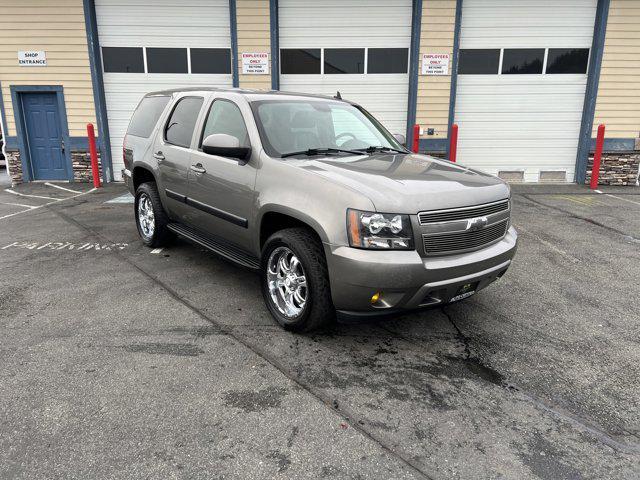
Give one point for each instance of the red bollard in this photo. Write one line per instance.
(453, 143)
(597, 156)
(416, 139)
(95, 171)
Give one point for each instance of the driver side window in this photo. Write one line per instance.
(347, 127)
(225, 117)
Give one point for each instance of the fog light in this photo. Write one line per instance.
(375, 297)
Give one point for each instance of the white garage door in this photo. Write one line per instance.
(360, 48)
(152, 45)
(521, 84)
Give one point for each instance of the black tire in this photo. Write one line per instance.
(161, 234)
(318, 310)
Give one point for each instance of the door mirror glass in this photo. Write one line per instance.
(225, 145)
(400, 138)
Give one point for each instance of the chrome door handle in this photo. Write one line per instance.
(197, 167)
(158, 156)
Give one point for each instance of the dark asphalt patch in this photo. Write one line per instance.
(255, 400)
(179, 349)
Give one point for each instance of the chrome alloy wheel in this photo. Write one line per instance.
(287, 282)
(146, 218)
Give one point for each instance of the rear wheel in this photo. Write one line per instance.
(151, 218)
(295, 281)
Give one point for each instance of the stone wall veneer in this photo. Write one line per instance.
(616, 168)
(81, 163)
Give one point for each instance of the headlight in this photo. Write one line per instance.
(379, 231)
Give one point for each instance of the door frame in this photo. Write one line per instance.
(17, 92)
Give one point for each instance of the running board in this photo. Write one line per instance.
(218, 246)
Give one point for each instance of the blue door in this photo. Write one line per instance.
(44, 136)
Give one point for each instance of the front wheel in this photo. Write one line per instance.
(295, 281)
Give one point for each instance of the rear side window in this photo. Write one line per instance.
(146, 116)
(182, 121)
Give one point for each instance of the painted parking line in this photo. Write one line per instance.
(126, 198)
(157, 250)
(31, 209)
(18, 204)
(13, 192)
(619, 198)
(581, 200)
(66, 246)
(59, 187)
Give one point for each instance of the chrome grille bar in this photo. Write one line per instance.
(462, 213)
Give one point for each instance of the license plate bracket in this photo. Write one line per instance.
(464, 291)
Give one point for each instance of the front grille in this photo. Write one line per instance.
(463, 213)
(438, 244)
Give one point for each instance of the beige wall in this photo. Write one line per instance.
(618, 104)
(59, 30)
(253, 37)
(436, 36)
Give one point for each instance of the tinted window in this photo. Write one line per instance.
(225, 117)
(210, 60)
(167, 60)
(293, 60)
(522, 60)
(123, 59)
(567, 60)
(388, 60)
(146, 116)
(179, 129)
(479, 62)
(344, 60)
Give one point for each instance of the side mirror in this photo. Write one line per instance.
(225, 145)
(400, 138)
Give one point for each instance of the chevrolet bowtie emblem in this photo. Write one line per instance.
(478, 223)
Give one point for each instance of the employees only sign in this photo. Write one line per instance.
(435, 64)
(255, 63)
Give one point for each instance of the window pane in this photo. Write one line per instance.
(567, 60)
(388, 60)
(522, 60)
(346, 127)
(225, 117)
(210, 60)
(293, 60)
(123, 59)
(146, 115)
(344, 60)
(167, 60)
(479, 62)
(179, 129)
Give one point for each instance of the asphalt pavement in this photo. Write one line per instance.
(118, 361)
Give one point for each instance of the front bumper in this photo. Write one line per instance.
(407, 280)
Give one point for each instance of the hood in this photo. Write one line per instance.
(410, 183)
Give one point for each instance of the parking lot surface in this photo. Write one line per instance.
(117, 361)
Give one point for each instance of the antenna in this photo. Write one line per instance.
(338, 96)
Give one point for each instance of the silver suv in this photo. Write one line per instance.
(312, 192)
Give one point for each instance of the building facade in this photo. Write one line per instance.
(527, 83)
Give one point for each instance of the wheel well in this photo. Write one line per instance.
(274, 221)
(141, 175)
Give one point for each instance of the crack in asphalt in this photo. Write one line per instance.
(331, 403)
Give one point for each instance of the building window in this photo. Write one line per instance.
(123, 59)
(478, 61)
(520, 61)
(210, 60)
(179, 128)
(300, 60)
(167, 60)
(567, 60)
(388, 60)
(343, 60)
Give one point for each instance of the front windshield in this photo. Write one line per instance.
(290, 126)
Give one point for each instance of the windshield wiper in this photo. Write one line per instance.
(320, 151)
(380, 148)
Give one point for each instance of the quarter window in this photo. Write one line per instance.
(123, 59)
(567, 60)
(478, 61)
(167, 60)
(146, 116)
(522, 61)
(210, 60)
(343, 60)
(387, 60)
(181, 123)
(300, 60)
(225, 117)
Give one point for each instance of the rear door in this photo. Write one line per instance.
(173, 154)
(223, 188)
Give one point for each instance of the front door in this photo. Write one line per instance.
(44, 136)
(223, 187)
